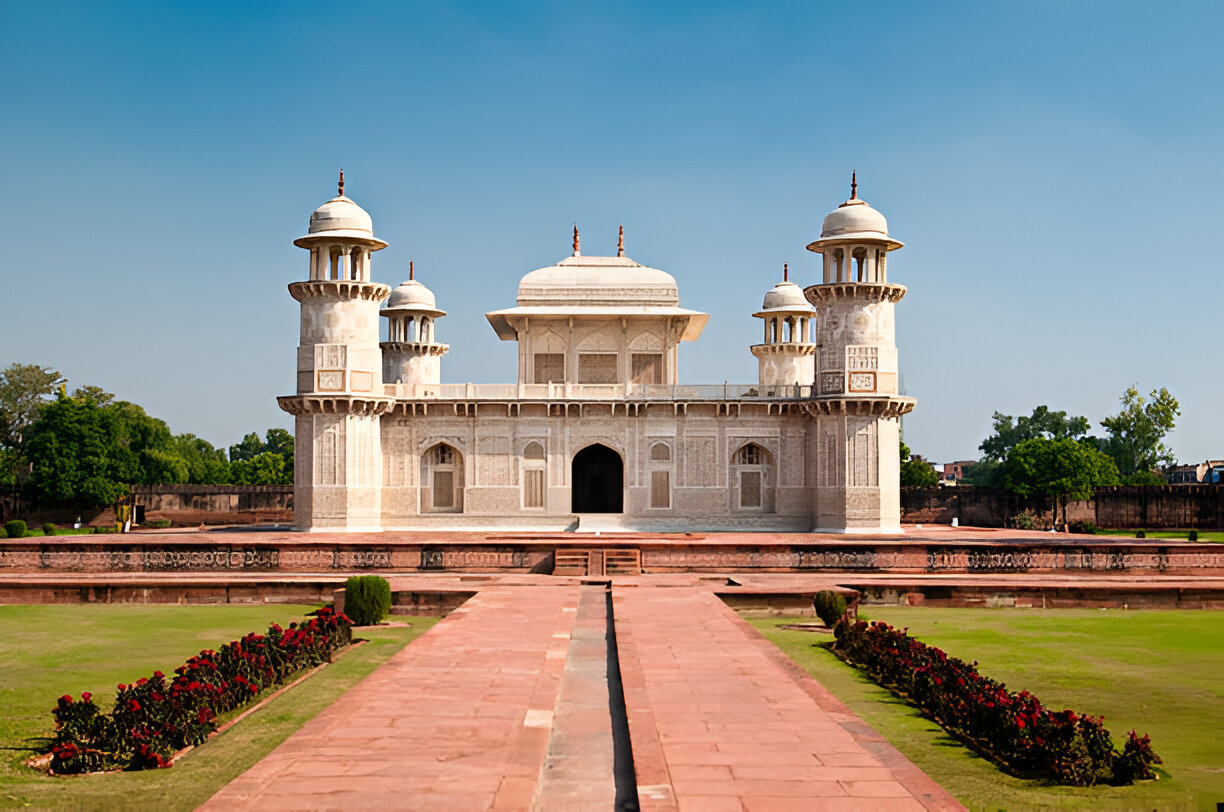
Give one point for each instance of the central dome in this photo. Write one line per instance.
(598, 281)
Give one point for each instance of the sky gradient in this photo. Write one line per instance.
(1053, 168)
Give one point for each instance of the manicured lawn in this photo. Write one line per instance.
(37, 532)
(46, 651)
(1203, 535)
(1158, 672)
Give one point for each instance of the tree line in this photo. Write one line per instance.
(1050, 455)
(87, 448)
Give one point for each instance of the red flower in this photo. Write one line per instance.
(66, 698)
(1019, 722)
(86, 696)
(133, 705)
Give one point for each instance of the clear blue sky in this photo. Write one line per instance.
(1054, 169)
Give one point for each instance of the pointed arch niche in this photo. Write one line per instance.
(752, 479)
(442, 480)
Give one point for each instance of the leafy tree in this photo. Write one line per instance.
(77, 454)
(915, 471)
(205, 465)
(278, 443)
(250, 447)
(1059, 470)
(1011, 431)
(157, 456)
(985, 473)
(24, 389)
(99, 395)
(267, 468)
(1137, 432)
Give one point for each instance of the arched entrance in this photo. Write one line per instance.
(598, 476)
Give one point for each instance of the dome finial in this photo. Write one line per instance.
(620, 243)
(411, 270)
(853, 185)
(785, 272)
(341, 192)
(577, 252)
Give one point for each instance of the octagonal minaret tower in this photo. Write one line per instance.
(337, 447)
(856, 402)
(787, 356)
(411, 356)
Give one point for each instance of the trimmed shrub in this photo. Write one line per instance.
(49, 529)
(1192, 536)
(15, 529)
(829, 606)
(1013, 729)
(1087, 527)
(163, 523)
(367, 599)
(1024, 521)
(1140, 534)
(157, 716)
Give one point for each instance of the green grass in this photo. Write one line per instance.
(1203, 535)
(47, 651)
(1160, 672)
(37, 532)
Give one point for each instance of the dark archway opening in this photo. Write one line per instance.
(598, 476)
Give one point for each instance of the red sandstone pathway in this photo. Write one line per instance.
(497, 708)
(460, 719)
(719, 719)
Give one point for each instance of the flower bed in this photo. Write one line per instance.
(155, 717)
(1013, 729)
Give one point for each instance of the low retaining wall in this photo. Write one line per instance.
(1085, 596)
(1121, 507)
(289, 554)
(171, 591)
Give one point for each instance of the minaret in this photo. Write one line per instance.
(787, 355)
(411, 356)
(856, 404)
(337, 446)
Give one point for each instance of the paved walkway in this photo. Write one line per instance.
(460, 719)
(505, 705)
(719, 721)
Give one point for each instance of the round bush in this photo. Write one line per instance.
(15, 529)
(1140, 534)
(49, 529)
(829, 606)
(367, 599)
(1193, 536)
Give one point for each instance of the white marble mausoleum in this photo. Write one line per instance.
(596, 432)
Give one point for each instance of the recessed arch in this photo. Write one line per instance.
(752, 477)
(442, 479)
(597, 480)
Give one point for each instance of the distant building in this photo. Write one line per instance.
(1209, 472)
(954, 472)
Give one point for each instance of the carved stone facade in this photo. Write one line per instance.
(597, 432)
